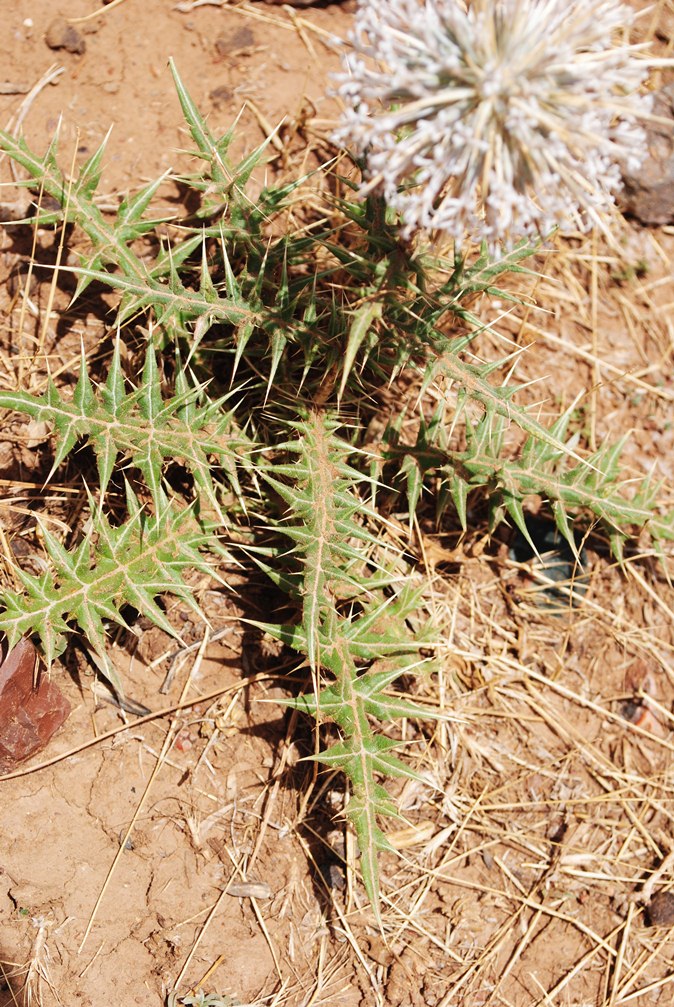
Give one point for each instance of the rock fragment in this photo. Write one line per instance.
(649, 191)
(661, 910)
(30, 714)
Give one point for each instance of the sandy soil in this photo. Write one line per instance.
(546, 811)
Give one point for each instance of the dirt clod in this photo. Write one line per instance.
(220, 95)
(61, 35)
(242, 38)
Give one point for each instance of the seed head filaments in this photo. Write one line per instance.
(498, 120)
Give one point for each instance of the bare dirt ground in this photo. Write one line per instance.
(535, 865)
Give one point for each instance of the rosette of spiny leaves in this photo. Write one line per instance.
(218, 269)
(353, 627)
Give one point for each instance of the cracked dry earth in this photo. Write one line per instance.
(120, 881)
(68, 825)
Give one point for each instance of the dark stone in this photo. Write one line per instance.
(649, 191)
(661, 910)
(31, 709)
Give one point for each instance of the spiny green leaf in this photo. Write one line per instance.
(333, 552)
(142, 426)
(112, 566)
(360, 326)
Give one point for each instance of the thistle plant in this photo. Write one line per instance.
(495, 120)
(353, 627)
(276, 340)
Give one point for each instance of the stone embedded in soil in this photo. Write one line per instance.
(661, 910)
(61, 35)
(649, 191)
(242, 38)
(29, 715)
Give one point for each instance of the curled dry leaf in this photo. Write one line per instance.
(31, 707)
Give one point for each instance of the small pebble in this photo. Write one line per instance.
(29, 716)
(335, 877)
(183, 742)
(649, 190)
(661, 910)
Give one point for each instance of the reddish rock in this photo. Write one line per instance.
(29, 713)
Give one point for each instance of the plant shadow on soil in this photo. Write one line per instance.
(322, 826)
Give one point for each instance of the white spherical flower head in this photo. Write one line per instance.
(497, 120)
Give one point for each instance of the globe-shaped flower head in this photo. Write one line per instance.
(498, 119)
